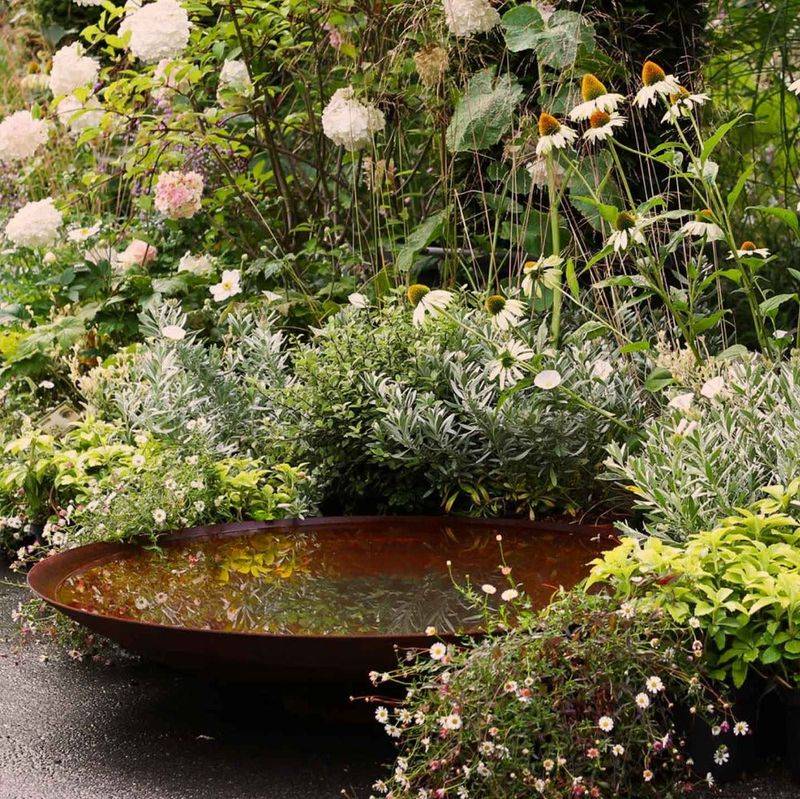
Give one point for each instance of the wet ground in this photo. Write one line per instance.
(136, 731)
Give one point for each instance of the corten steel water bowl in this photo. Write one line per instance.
(378, 579)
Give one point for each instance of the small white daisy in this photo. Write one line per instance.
(618, 750)
(656, 83)
(553, 135)
(489, 589)
(595, 97)
(741, 728)
(438, 651)
(605, 723)
(642, 701)
(654, 684)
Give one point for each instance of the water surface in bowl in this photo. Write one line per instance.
(349, 579)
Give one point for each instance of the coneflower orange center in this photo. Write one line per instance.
(625, 220)
(599, 118)
(748, 245)
(591, 88)
(548, 124)
(652, 73)
(704, 216)
(416, 292)
(495, 304)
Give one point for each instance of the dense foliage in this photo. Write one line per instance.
(578, 700)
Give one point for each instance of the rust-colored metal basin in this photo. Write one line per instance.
(315, 599)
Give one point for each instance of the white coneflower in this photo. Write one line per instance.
(507, 366)
(427, 302)
(748, 250)
(602, 124)
(794, 86)
(682, 103)
(703, 226)
(656, 83)
(531, 270)
(505, 313)
(553, 135)
(627, 230)
(547, 380)
(595, 98)
(542, 170)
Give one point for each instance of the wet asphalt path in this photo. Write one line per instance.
(71, 730)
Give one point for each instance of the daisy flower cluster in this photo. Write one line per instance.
(589, 714)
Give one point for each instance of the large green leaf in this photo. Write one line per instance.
(422, 235)
(555, 40)
(484, 113)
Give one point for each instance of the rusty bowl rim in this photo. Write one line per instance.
(53, 570)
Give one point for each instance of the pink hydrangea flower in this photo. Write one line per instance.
(178, 194)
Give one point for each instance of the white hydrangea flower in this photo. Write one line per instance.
(21, 136)
(158, 30)
(72, 69)
(234, 82)
(467, 17)
(350, 123)
(35, 224)
(78, 116)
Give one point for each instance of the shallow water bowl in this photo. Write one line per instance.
(315, 599)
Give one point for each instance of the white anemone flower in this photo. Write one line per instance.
(547, 380)
(656, 84)
(749, 250)
(228, 286)
(505, 313)
(507, 367)
(553, 135)
(703, 226)
(627, 231)
(602, 124)
(595, 97)
(426, 302)
(79, 234)
(682, 103)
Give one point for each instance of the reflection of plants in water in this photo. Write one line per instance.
(265, 557)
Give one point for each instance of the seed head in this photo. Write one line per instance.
(652, 73)
(495, 304)
(548, 124)
(416, 292)
(591, 88)
(625, 220)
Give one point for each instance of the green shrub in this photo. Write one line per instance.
(577, 700)
(691, 468)
(738, 585)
